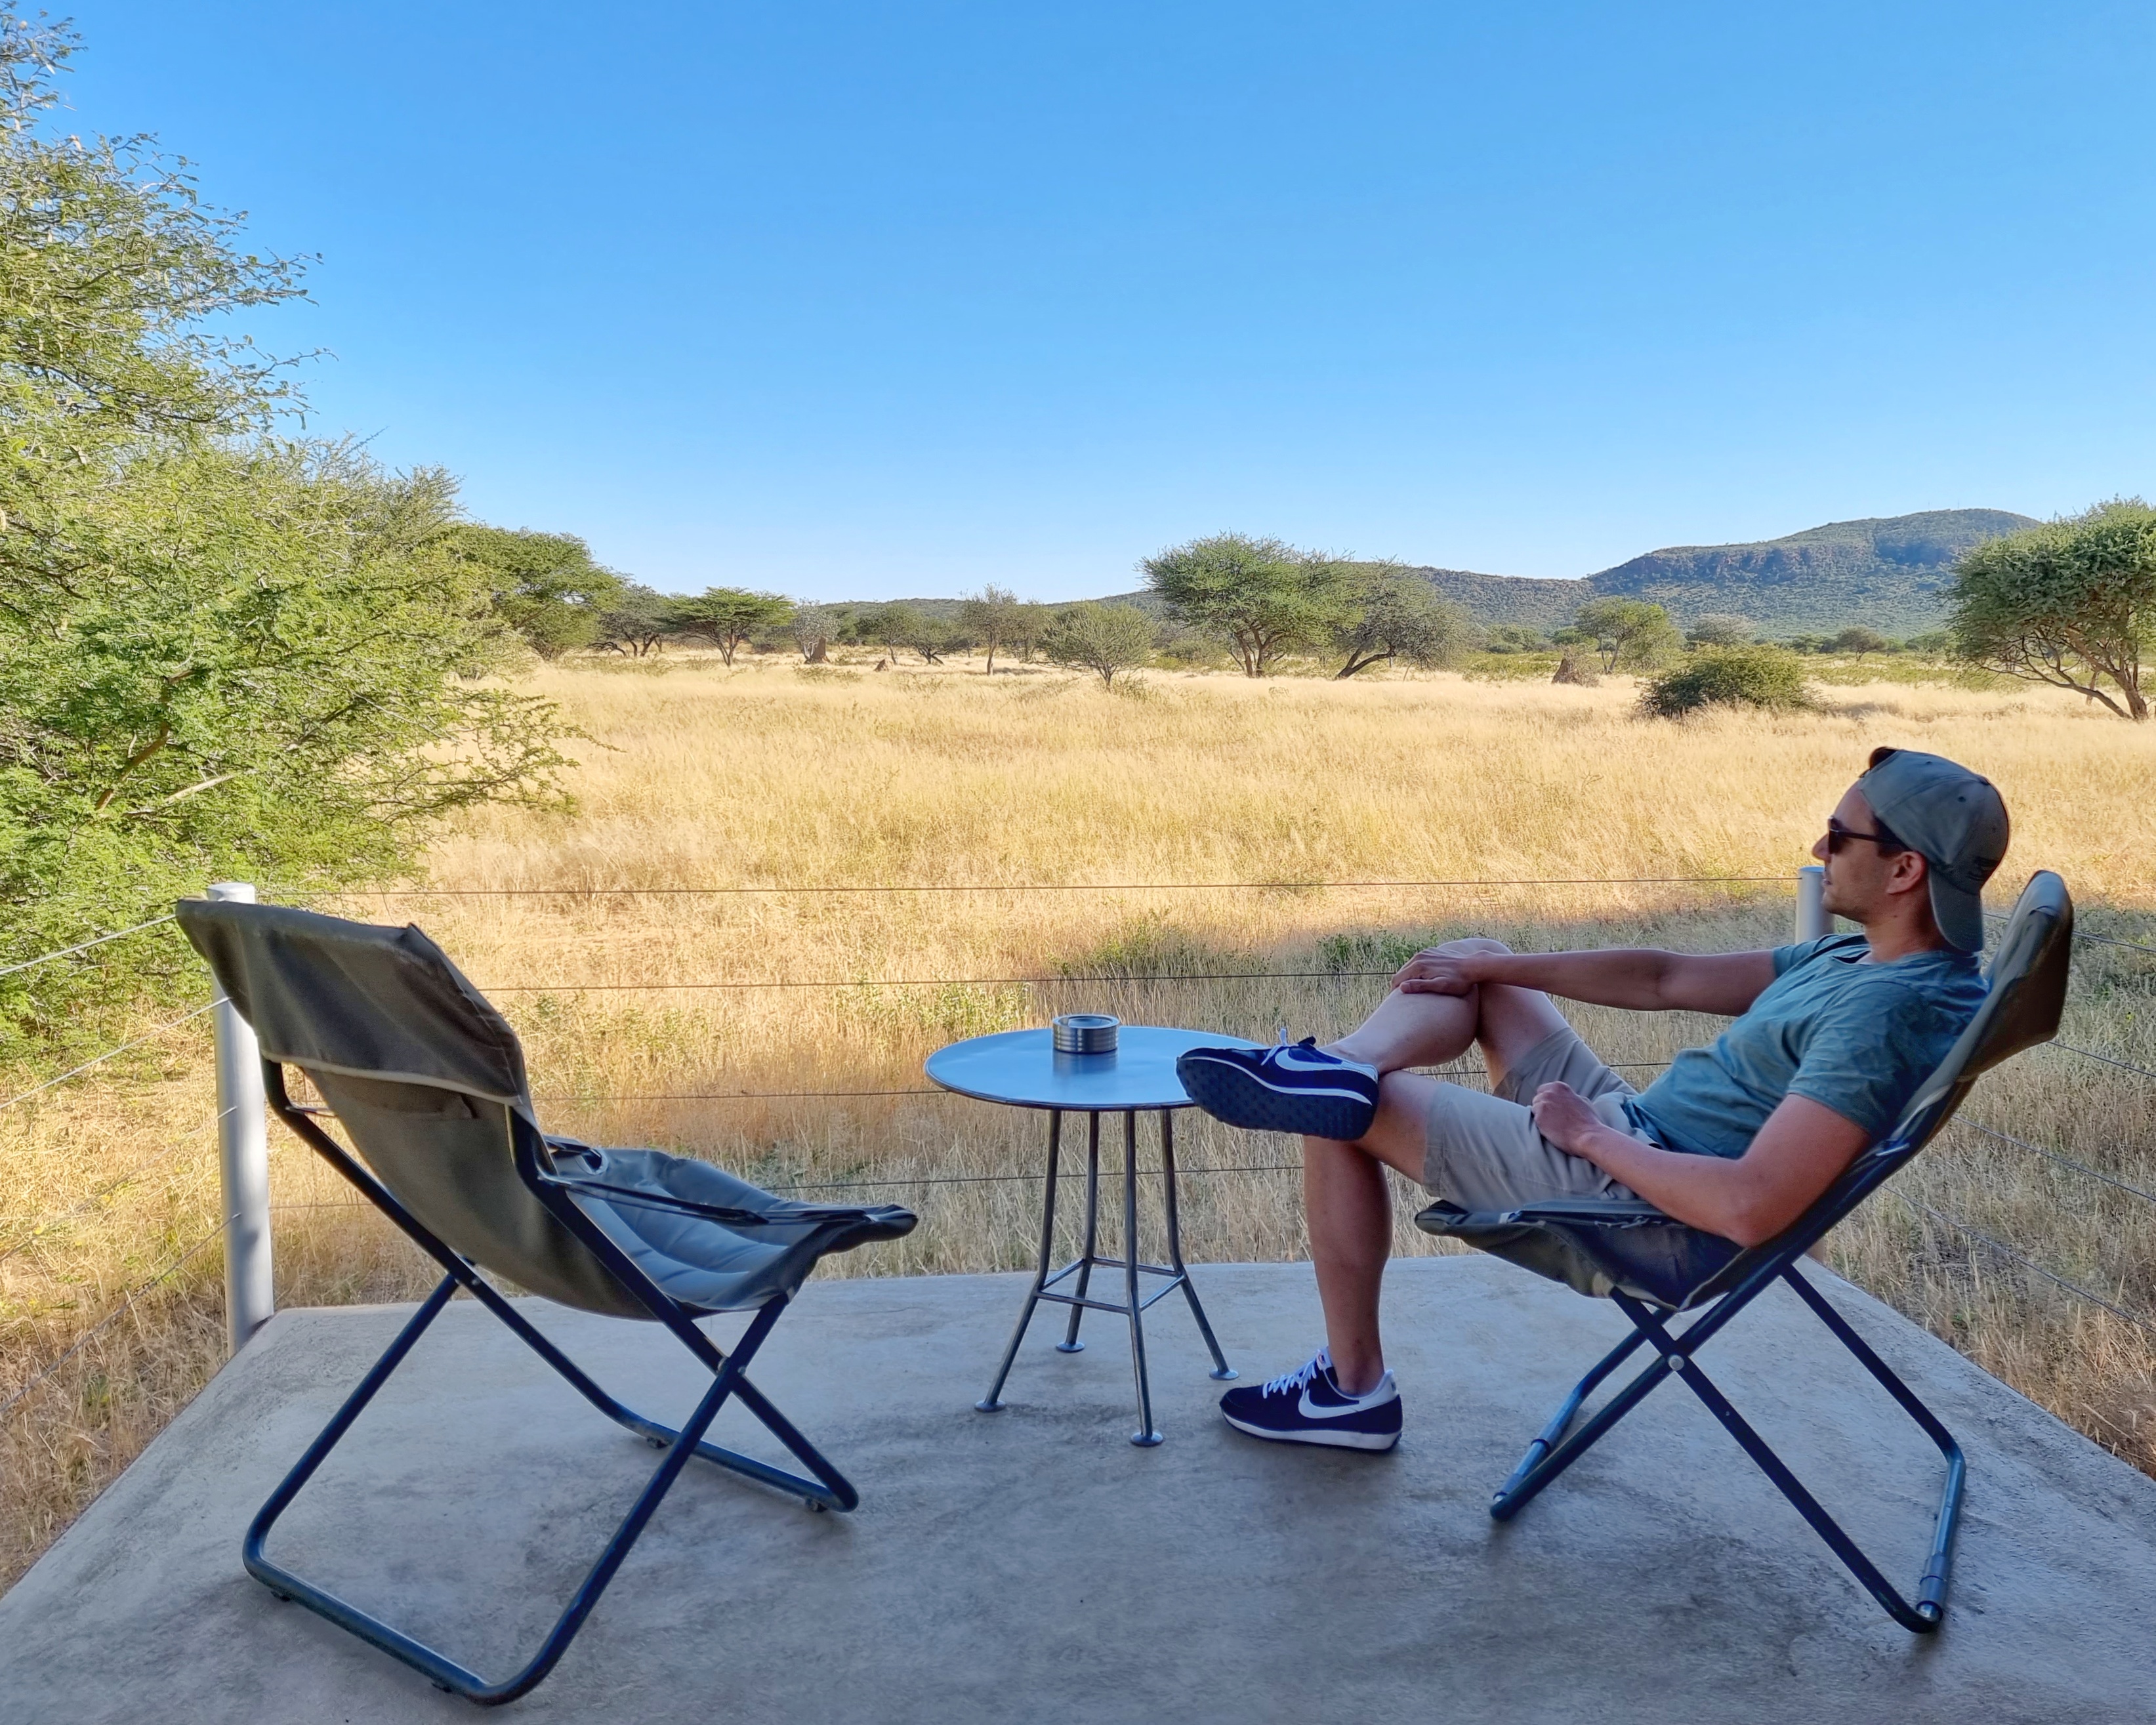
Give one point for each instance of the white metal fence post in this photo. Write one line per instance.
(244, 1146)
(1813, 921)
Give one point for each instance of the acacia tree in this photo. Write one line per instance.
(1263, 599)
(1858, 640)
(1396, 615)
(2072, 603)
(1107, 640)
(222, 653)
(728, 616)
(545, 586)
(636, 620)
(813, 628)
(1630, 635)
(995, 618)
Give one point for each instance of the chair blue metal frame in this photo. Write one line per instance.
(1653, 1267)
(228, 935)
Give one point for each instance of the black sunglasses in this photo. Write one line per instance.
(1838, 835)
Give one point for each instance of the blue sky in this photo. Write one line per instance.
(851, 301)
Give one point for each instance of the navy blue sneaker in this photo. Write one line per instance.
(1308, 1406)
(1290, 1088)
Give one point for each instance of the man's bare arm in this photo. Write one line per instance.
(1641, 978)
(1795, 1157)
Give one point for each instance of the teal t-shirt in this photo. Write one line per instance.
(1855, 1037)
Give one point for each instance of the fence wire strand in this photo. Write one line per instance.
(149, 1035)
(111, 1318)
(84, 946)
(2029, 1263)
(1048, 886)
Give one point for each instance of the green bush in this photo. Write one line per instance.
(1756, 676)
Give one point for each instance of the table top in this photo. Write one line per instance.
(1022, 1068)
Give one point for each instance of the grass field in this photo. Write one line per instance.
(697, 1021)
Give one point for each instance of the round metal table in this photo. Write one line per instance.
(1021, 1069)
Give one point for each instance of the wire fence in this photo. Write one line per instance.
(42, 1227)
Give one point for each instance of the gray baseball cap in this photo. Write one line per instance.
(1954, 818)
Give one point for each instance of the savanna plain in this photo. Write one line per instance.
(1192, 849)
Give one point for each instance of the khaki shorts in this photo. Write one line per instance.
(1483, 1152)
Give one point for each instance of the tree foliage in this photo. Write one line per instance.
(1630, 635)
(1261, 598)
(995, 618)
(1860, 639)
(222, 654)
(636, 620)
(1755, 676)
(728, 616)
(1719, 629)
(1107, 640)
(545, 586)
(1392, 614)
(2072, 603)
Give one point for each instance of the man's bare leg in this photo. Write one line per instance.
(1346, 1203)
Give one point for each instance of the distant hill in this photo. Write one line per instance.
(1890, 572)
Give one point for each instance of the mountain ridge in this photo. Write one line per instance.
(1890, 572)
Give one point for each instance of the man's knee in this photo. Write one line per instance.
(1475, 943)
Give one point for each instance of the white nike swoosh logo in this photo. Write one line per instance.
(1310, 1410)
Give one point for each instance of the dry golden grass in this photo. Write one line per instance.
(771, 776)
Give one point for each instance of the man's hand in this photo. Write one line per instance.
(1448, 970)
(1564, 1117)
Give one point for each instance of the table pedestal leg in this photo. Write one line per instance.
(1131, 1264)
(1145, 1436)
(993, 1400)
(1221, 1369)
(1071, 1344)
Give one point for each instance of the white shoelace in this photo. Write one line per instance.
(1293, 1382)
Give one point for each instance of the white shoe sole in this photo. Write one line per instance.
(1328, 1439)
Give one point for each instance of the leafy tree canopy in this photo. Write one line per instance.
(1394, 614)
(634, 620)
(2072, 603)
(1108, 639)
(1755, 676)
(222, 653)
(1859, 640)
(994, 617)
(545, 586)
(1719, 629)
(729, 616)
(1630, 635)
(1260, 598)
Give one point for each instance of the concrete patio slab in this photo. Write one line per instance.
(1033, 1564)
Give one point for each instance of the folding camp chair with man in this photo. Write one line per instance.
(428, 1081)
(1654, 1267)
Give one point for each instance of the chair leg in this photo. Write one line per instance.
(1071, 1344)
(1675, 1360)
(834, 1491)
(1509, 1499)
(442, 1672)
(1932, 1589)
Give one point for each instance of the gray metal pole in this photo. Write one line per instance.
(1813, 921)
(244, 1151)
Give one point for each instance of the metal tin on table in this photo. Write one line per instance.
(1085, 1033)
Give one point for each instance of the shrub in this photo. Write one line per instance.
(1757, 676)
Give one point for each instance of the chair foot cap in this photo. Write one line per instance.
(1223, 1375)
(1145, 1440)
(988, 1407)
(1070, 1347)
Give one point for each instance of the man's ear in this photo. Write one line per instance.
(1907, 870)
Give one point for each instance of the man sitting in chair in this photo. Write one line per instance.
(1831, 1039)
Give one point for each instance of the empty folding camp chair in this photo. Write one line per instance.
(428, 1081)
(1654, 1267)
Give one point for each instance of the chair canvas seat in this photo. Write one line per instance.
(427, 1081)
(1652, 1265)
